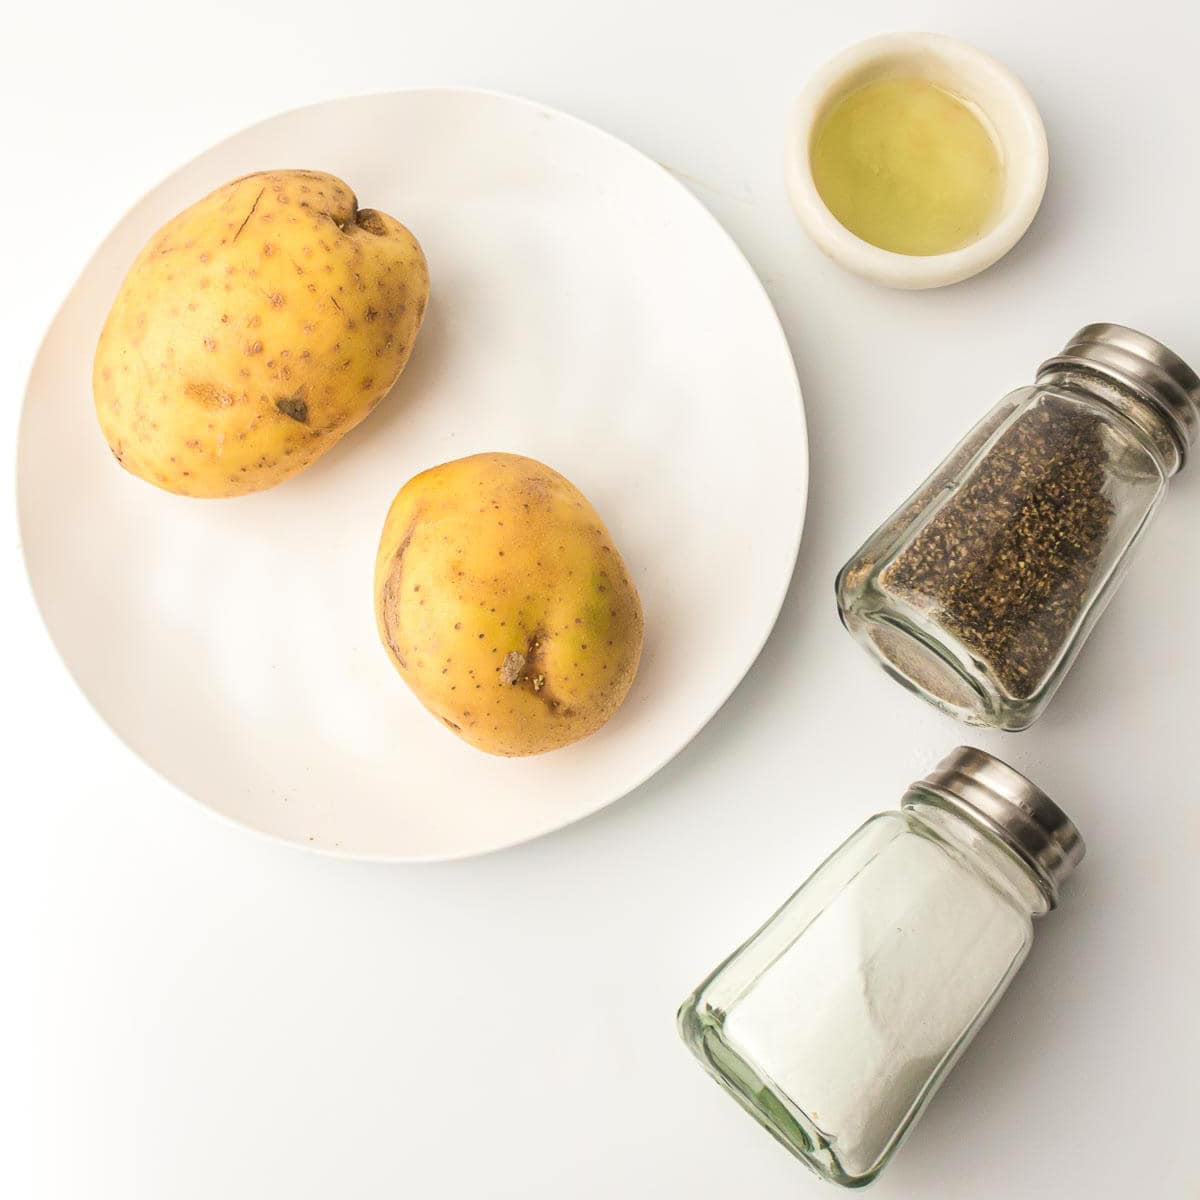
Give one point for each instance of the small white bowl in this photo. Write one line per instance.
(997, 96)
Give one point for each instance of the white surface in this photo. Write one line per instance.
(586, 311)
(1001, 101)
(220, 1016)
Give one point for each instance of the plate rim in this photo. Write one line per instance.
(659, 762)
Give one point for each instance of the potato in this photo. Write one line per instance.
(255, 330)
(504, 604)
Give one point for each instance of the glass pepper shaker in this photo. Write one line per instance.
(978, 591)
(836, 1022)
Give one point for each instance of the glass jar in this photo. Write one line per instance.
(837, 1021)
(978, 592)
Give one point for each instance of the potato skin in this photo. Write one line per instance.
(504, 604)
(253, 331)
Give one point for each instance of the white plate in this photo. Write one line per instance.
(586, 310)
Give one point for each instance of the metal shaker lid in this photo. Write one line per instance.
(990, 792)
(1136, 361)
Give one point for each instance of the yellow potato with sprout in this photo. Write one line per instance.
(504, 604)
(255, 330)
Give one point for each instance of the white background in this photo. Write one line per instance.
(215, 1015)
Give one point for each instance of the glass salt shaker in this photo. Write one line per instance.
(837, 1021)
(978, 591)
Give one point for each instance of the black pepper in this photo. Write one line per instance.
(1009, 560)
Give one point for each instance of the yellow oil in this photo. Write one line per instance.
(907, 166)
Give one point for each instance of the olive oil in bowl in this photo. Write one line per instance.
(908, 166)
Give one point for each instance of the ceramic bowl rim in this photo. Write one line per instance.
(1027, 151)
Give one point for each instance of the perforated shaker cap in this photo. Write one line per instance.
(990, 792)
(1136, 361)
